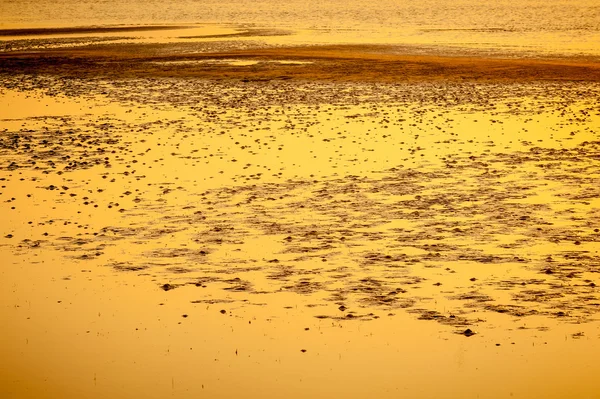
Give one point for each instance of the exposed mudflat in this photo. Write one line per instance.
(314, 186)
(370, 205)
(355, 63)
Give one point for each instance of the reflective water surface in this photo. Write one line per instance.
(529, 27)
(299, 199)
(349, 244)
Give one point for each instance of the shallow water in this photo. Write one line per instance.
(529, 27)
(300, 199)
(201, 237)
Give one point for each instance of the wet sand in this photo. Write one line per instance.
(300, 221)
(83, 30)
(353, 63)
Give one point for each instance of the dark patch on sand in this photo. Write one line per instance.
(243, 34)
(349, 63)
(85, 30)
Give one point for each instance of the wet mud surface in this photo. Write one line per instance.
(258, 53)
(84, 30)
(454, 202)
(221, 211)
(251, 60)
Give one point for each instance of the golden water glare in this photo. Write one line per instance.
(277, 220)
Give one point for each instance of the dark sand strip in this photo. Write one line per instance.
(245, 33)
(84, 30)
(335, 63)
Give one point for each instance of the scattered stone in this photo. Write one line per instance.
(167, 287)
(468, 332)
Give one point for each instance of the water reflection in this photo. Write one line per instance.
(181, 247)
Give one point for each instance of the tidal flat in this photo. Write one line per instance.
(239, 215)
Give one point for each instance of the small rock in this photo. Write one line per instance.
(468, 332)
(167, 287)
